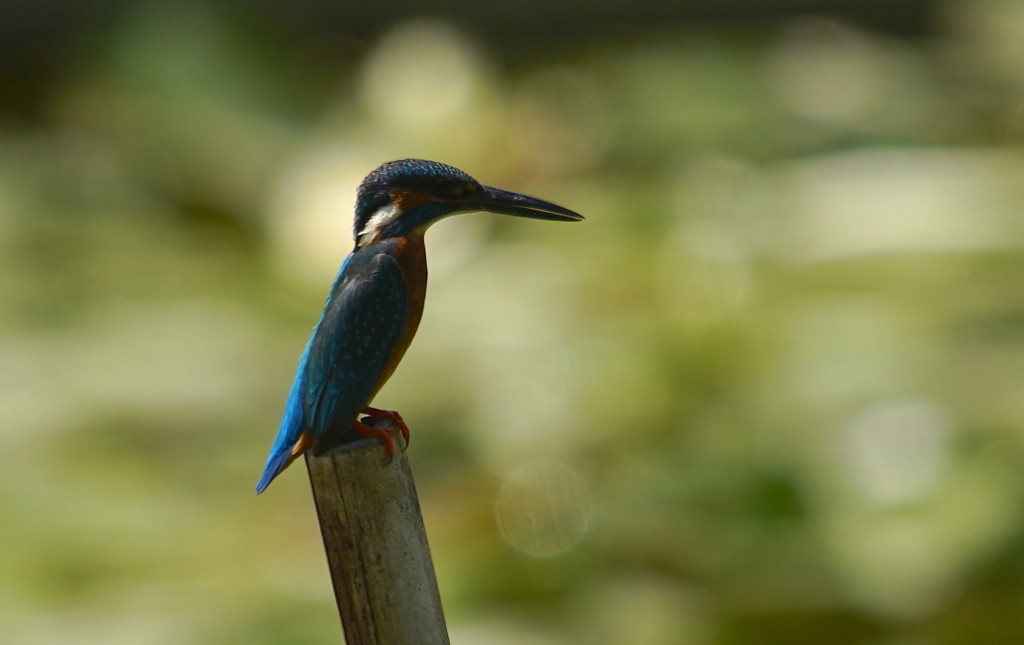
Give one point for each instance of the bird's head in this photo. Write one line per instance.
(407, 196)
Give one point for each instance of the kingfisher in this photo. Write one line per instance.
(376, 301)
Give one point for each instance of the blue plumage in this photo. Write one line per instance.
(362, 322)
(376, 301)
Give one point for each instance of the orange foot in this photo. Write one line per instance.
(367, 431)
(378, 414)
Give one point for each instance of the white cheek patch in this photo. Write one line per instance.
(380, 219)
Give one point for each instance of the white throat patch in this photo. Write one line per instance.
(384, 216)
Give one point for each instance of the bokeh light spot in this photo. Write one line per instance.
(895, 452)
(822, 70)
(422, 74)
(543, 508)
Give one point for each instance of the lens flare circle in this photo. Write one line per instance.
(543, 508)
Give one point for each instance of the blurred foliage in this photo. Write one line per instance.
(773, 384)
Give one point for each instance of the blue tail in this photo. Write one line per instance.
(292, 425)
(289, 433)
(295, 421)
(275, 464)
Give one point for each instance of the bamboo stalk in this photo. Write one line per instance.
(376, 546)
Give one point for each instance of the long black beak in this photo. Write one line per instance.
(496, 200)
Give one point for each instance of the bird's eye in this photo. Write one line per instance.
(458, 191)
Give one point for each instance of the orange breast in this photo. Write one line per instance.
(412, 257)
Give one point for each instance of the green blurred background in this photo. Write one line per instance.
(771, 391)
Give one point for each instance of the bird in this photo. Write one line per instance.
(376, 301)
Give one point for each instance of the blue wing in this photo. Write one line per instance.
(362, 323)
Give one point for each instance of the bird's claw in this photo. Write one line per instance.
(392, 419)
(392, 415)
(380, 433)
